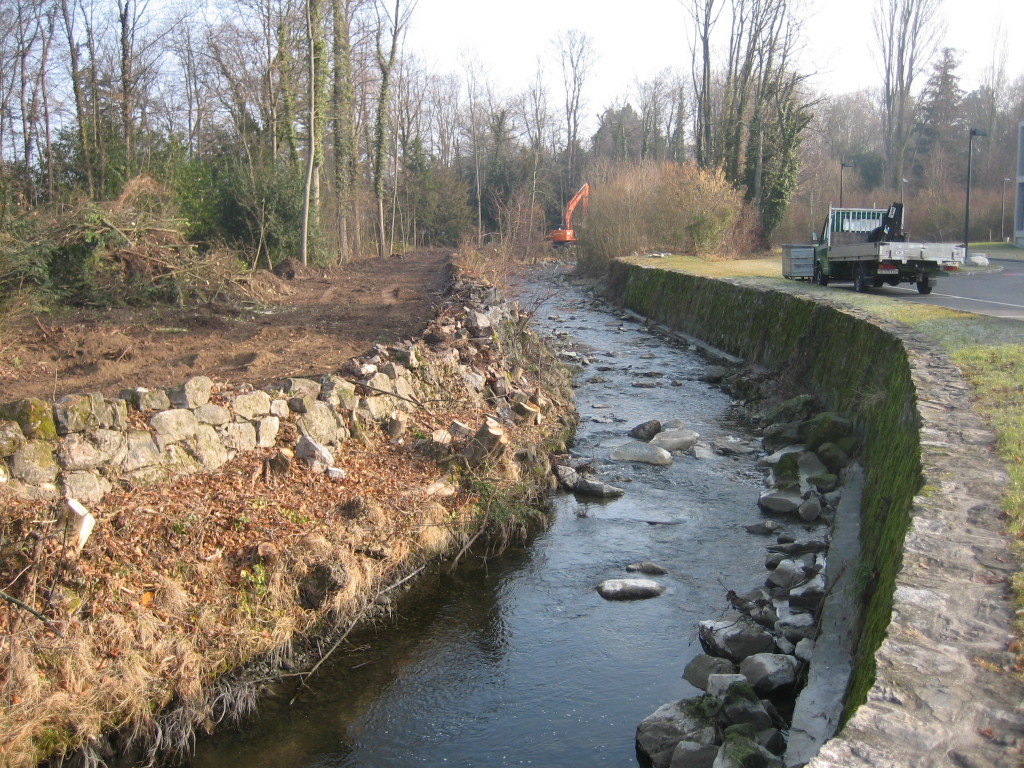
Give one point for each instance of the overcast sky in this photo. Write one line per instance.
(636, 39)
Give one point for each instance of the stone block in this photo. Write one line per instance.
(266, 431)
(87, 487)
(251, 405)
(11, 438)
(239, 436)
(173, 426)
(191, 394)
(207, 447)
(34, 416)
(34, 463)
(212, 414)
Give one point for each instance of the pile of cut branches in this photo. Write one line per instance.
(126, 251)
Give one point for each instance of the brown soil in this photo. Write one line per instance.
(312, 323)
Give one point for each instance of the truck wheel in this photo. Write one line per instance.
(860, 283)
(820, 277)
(924, 287)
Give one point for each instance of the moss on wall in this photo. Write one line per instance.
(852, 365)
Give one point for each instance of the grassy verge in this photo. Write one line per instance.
(988, 351)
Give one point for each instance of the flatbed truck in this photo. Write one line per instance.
(868, 247)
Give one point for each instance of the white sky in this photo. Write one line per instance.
(636, 39)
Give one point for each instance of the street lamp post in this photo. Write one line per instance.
(967, 210)
(903, 183)
(842, 166)
(1002, 212)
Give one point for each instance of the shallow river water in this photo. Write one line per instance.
(518, 661)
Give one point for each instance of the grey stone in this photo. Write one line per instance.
(741, 706)
(394, 371)
(173, 426)
(673, 440)
(810, 510)
(11, 438)
(34, 463)
(702, 666)
(660, 732)
(643, 453)
(745, 752)
(77, 413)
(191, 394)
(212, 414)
(804, 650)
(87, 487)
(78, 453)
(768, 672)
(182, 461)
(809, 595)
(279, 408)
(833, 457)
(773, 459)
(338, 393)
(314, 454)
(147, 399)
(142, 452)
(319, 424)
(733, 446)
(646, 430)
(207, 448)
(718, 684)
(379, 407)
(823, 428)
(651, 569)
(796, 627)
(691, 754)
(301, 386)
(266, 431)
(786, 575)
(238, 436)
(736, 636)
(629, 589)
(588, 486)
(251, 405)
(780, 502)
(301, 403)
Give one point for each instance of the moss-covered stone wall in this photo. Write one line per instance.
(851, 364)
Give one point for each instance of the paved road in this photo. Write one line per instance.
(997, 293)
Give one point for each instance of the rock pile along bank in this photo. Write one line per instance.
(217, 525)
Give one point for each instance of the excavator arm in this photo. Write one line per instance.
(564, 235)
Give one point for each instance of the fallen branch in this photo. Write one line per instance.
(417, 403)
(18, 604)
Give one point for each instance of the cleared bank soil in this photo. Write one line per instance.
(311, 323)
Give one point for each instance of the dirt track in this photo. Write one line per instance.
(310, 324)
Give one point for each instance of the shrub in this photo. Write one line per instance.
(667, 207)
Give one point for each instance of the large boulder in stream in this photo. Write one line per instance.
(646, 431)
(629, 589)
(675, 439)
(644, 453)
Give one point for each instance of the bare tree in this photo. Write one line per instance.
(907, 33)
(577, 58)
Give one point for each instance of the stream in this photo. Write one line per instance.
(517, 660)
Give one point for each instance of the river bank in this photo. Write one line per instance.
(294, 512)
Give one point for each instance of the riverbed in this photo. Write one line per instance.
(517, 660)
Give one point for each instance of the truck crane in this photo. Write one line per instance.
(565, 236)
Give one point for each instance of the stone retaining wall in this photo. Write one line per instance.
(931, 685)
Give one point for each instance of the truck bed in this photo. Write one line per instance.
(904, 252)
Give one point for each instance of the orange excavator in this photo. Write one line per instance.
(564, 236)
